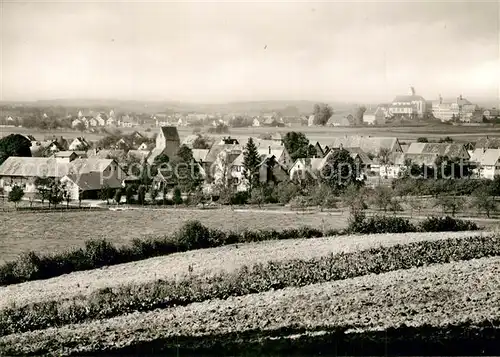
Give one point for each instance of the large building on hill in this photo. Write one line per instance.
(408, 106)
(459, 110)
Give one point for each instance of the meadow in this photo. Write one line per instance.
(50, 232)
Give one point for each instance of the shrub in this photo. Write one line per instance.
(27, 267)
(100, 252)
(442, 224)
(193, 235)
(379, 224)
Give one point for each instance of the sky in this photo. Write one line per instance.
(247, 51)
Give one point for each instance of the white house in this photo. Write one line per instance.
(79, 144)
(256, 122)
(75, 123)
(489, 165)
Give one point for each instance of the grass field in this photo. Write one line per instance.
(56, 231)
(204, 263)
(461, 294)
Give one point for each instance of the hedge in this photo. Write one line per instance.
(106, 303)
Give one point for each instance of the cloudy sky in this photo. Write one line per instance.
(222, 51)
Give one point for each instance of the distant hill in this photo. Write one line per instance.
(286, 108)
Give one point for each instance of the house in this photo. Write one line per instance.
(167, 143)
(270, 170)
(392, 168)
(111, 121)
(256, 122)
(274, 148)
(23, 171)
(68, 156)
(488, 142)
(228, 141)
(489, 165)
(409, 106)
(143, 147)
(79, 143)
(460, 110)
(123, 144)
(369, 144)
(310, 120)
(425, 154)
(374, 117)
(361, 160)
(223, 167)
(76, 123)
(302, 165)
(101, 119)
(117, 155)
(93, 122)
(491, 114)
(320, 150)
(338, 120)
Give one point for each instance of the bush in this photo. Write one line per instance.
(442, 224)
(27, 267)
(193, 235)
(379, 224)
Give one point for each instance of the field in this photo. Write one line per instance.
(455, 299)
(204, 263)
(322, 134)
(56, 231)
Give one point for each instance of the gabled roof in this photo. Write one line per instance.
(190, 139)
(440, 149)
(408, 98)
(215, 150)
(338, 120)
(490, 157)
(488, 143)
(93, 181)
(310, 164)
(368, 144)
(200, 155)
(68, 153)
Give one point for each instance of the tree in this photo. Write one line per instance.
(322, 196)
(186, 175)
(56, 192)
(67, 197)
(201, 143)
(251, 161)
(177, 196)
(449, 203)
(129, 194)
(80, 127)
(258, 196)
(106, 193)
(339, 170)
(358, 116)
(354, 199)
(42, 185)
(297, 145)
(16, 194)
(153, 194)
(118, 196)
(422, 140)
(484, 201)
(322, 112)
(384, 156)
(417, 204)
(286, 191)
(141, 194)
(446, 139)
(14, 145)
(382, 197)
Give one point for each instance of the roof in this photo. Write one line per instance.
(488, 143)
(490, 157)
(428, 159)
(440, 149)
(170, 133)
(93, 181)
(105, 154)
(215, 150)
(477, 155)
(50, 167)
(338, 120)
(200, 154)
(407, 98)
(262, 143)
(189, 140)
(365, 159)
(276, 152)
(65, 153)
(311, 164)
(139, 154)
(369, 144)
